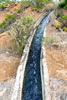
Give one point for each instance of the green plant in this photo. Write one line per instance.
(22, 29)
(62, 4)
(65, 7)
(9, 33)
(65, 29)
(8, 20)
(10, 17)
(2, 6)
(34, 8)
(3, 24)
(58, 26)
(66, 1)
(63, 20)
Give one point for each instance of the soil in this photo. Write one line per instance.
(56, 57)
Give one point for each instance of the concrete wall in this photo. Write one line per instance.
(17, 92)
(46, 94)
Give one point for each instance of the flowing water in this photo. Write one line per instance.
(32, 81)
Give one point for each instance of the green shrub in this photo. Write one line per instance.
(2, 6)
(8, 20)
(65, 7)
(9, 33)
(22, 29)
(63, 20)
(3, 24)
(62, 4)
(10, 17)
(34, 8)
(58, 26)
(65, 29)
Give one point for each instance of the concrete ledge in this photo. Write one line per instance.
(17, 92)
(46, 94)
(44, 75)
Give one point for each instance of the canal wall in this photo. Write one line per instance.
(17, 92)
(46, 93)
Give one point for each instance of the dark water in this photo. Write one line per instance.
(32, 82)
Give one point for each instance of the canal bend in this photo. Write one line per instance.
(32, 80)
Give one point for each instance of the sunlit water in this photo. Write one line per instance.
(32, 82)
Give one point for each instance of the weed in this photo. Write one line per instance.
(58, 26)
(65, 29)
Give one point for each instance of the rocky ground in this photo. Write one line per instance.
(56, 54)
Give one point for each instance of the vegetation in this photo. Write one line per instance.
(63, 4)
(2, 6)
(65, 29)
(8, 20)
(40, 2)
(65, 7)
(63, 20)
(58, 26)
(22, 29)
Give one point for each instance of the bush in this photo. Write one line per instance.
(62, 4)
(34, 8)
(8, 20)
(21, 31)
(65, 7)
(63, 20)
(58, 26)
(2, 6)
(3, 24)
(65, 29)
(10, 17)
